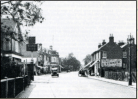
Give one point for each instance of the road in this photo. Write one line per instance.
(69, 85)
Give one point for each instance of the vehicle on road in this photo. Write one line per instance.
(82, 72)
(54, 72)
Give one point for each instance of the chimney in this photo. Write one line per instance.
(99, 45)
(103, 42)
(111, 38)
(51, 47)
(130, 39)
(121, 43)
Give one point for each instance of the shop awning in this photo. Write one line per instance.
(94, 63)
(61, 66)
(39, 66)
(87, 65)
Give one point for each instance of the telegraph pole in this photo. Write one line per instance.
(130, 75)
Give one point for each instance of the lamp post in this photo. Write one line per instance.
(130, 40)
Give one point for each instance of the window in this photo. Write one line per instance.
(54, 59)
(124, 54)
(124, 65)
(104, 54)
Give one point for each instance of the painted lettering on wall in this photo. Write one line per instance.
(111, 62)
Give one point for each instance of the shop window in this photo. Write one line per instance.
(104, 54)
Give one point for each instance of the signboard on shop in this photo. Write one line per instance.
(31, 47)
(31, 40)
(111, 62)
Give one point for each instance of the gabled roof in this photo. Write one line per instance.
(9, 23)
(99, 48)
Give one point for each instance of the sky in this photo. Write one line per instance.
(79, 26)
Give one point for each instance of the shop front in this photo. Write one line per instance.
(112, 69)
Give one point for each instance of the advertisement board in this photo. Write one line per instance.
(31, 47)
(111, 62)
(31, 40)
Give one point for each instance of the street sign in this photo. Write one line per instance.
(31, 40)
(31, 47)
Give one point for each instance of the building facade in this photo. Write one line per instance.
(11, 41)
(108, 56)
(47, 59)
(114, 61)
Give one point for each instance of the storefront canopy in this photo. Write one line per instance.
(94, 63)
(60, 66)
(86, 66)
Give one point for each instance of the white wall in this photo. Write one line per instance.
(29, 59)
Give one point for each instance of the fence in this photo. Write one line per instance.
(11, 87)
(115, 75)
(122, 76)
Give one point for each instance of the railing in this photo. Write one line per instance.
(120, 76)
(11, 87)
(115, 75)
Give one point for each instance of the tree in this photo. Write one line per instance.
(87, 59)
(71, 62)
(25, 13)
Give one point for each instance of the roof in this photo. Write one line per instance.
(99, 48)
(9, 23)
(123, 45)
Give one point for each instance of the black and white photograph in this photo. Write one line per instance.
(68, 49)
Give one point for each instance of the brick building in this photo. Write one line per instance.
(107, 57)
(126, 54)
(112, 60)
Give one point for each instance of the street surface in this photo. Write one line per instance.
(69, 85)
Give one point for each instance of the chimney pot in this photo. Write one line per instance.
(99, 45)
(103, 42)
(111, 38)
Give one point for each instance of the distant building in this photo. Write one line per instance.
(48, 58)
(108, 55)
(54, 58)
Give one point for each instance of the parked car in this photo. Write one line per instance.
(54, 72)
(82, 72)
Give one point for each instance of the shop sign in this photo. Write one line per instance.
(31, 47)
(31, 40)
(111, 62)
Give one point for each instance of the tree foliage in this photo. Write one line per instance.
(87, 59)
(71, 62)
(26, 13)
(23, 11)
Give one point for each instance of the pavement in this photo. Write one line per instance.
(26, 93)
(123, 83)
(32, 90)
